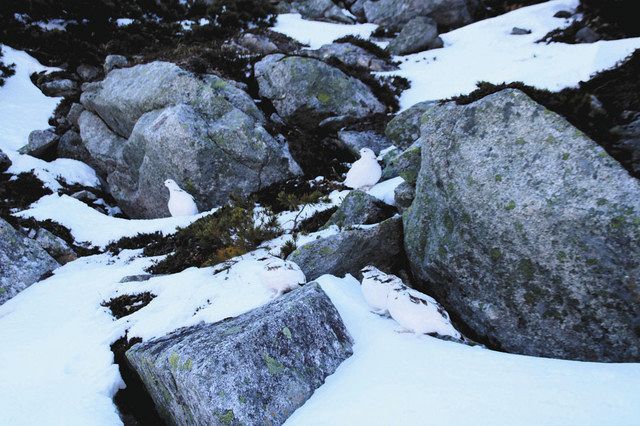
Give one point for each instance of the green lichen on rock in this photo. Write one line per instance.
(273, 366)
(286, 332)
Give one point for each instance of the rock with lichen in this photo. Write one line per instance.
(255, 369)
(527, 230)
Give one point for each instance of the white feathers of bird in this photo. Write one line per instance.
(414, 311)
(377, 287)
(365, 172)
(181, 203)
(281, 276)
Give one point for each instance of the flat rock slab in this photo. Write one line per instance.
(256, 369)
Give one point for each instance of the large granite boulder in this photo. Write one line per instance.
(395, 13)
(255, 369)
(308, 88)
(22, 262)
(154, 122)
(351, 250)
(527, 230)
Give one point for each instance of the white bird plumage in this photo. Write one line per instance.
(281, 276)
(181, 203)
(365, 172)
(377, 287)
(420, 313)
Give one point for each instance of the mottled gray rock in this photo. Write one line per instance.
(395, 13)
(112, 62)
(154, 122)
(587, 35)
(126, 94)
(40, 141)
(257, 43)
(319, 10)
(74, 113)
(360, 208)
(355, 140)
(309, 87)
(70, 146)
(22, 262)
(55, 246)
(520, 31)
(5, 162)
(404, 129)
(420, 33)
(136, 278)
(403, 195)
(59, 87)
(350, 251)
(213, 157)
(256, 369)
(352, 55)
(407, 164)
(88, 72)
(527, 230)
(85, 196)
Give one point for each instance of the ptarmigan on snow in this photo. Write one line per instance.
(281, 276)
(420, 313)
(377, 287)
(181, 203)
(365, 172)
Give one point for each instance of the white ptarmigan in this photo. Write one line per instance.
(377, 287)
(420, 313)
(181, 203)
(365, 172)
(281, 276)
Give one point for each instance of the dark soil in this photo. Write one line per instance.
(6, 70)
(134, 402)
(492, 8)
(366, 45)
(136, 242)
(299, 188)
(317, 221)
(127, 304)
(19, 193)
(617, 90)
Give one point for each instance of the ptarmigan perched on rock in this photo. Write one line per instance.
(181, 203)
(377, 287)
(365, 172)
(420, 313)
(281, 276)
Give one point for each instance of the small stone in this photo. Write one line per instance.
(70, 146)
(40, 141)
(564, 14)
(136, 278)
(417, 35)
(85, 196)
(587, 35)
(360, 208)
(55, 246)
(520, 31)
(112, 62)
(88, 72)
(404, 195)
(5, 163)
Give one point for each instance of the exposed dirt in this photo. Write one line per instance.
(127, 304)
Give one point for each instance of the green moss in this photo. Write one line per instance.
(565, 156)
(286, 332)
(601, 201)
(227, 418)
(498, 178)
(273, 366)
(617, 222)
(551, 139)
(173, 360)
(591, 261)
(527, 269)
(520, 141)
(561, 256)
(448, 222)
(219, 84)
(495, 254)
(187, 366)
(323, 97)
(510, 205)
(242, 399)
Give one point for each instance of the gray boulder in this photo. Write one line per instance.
(587, 35)
(88, 72)
(112, 62)
(319, 10)
(359, 208)
(355, 140)
(527, 230)
(71, 146)
(407, 164)
(22, 262)
(40, 141)
(352, 55)
(404, 129)
(420, 33)
(395, 13)
(152, 122)
(310, 88)
(5, 163)
(74, 113)
(55, 246)
(59, 87)
(403, 195)
(255, 369)
(350, 251)
(257, 43)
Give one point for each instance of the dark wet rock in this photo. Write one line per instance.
(360, 208)
(564, 14)
(40, 141)
(312, 88)
(527, 231)
(59, 87)
(420, 33)
(22, 262)
(520, 31)
(351, 250)
(88, 72)
(255, 369)
(355, 140)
